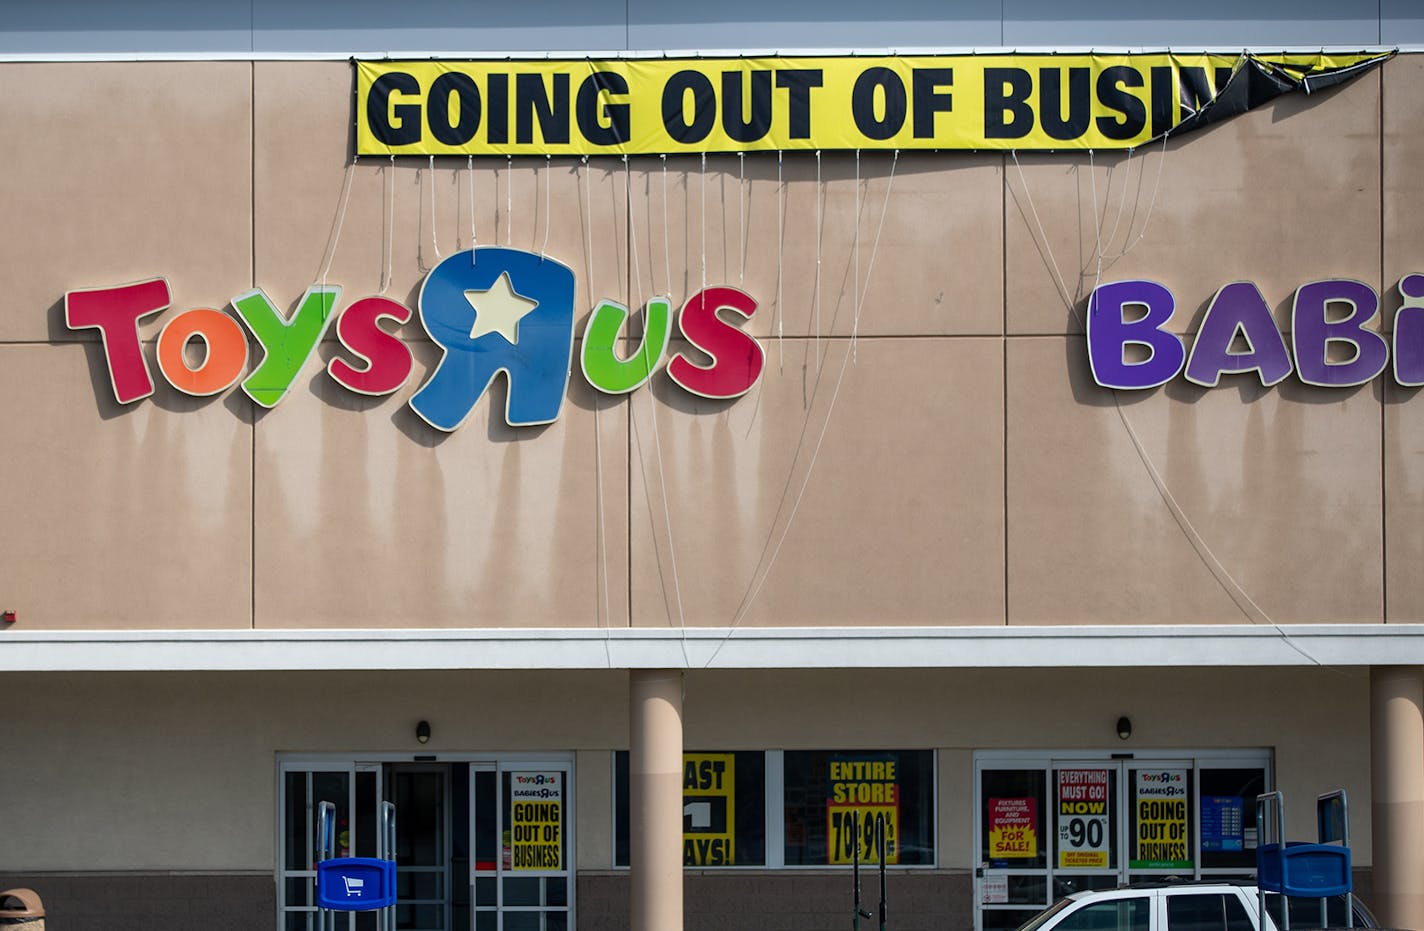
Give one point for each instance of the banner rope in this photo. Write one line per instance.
(474, 238)
(1151, 205)
(742, 213)
(599, 497)
(388, 266)
(335, 236)
(855, 293)
(780, 258)
(548, 196)
(667, 239)
(657, 439)
(770, 552)
(816, 288)
(704, 220)
(1229, 585)
(434, 232)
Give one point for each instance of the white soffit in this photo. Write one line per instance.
(715, 648)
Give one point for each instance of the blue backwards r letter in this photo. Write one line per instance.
(497, 310)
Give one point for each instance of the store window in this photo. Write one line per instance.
(723, 808)
(1228, 816)
(834, 800)
(798, 808)
(1050, 824)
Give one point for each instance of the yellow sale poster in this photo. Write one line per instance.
(1013, 829)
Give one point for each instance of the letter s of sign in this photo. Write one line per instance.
(737, 358)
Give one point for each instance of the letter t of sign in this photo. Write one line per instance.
(115, 313)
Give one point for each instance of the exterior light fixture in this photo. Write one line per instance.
(422, 732)
(7, 617)
(1124, 727)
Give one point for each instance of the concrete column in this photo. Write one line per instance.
(1397, 785)
(655, 798)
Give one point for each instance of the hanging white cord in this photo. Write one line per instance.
(335, 238)
(704, 221)
(434, 240)
(509, 200)
(884, 209)
(548, 195)
(1057, 275)
(1121, 202)
(855, 310)
(657, 438)
(1097, 227)
(780, 255)
(455, 173)
(667, 238)
(588, 212)
(742, 213)
(768, 561)
(633, 237)
(1151, 205)
(389, 266)
(601, 513)
(1244, 603)
(816, 289)
(474, 238)
(1098, 254)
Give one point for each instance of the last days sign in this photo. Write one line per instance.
(709, 809)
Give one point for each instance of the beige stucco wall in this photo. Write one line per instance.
(178, 771)
(954, 464)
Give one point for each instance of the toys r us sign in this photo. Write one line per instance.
(490, 309)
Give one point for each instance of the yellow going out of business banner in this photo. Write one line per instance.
(693, 105)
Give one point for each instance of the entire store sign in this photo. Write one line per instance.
(491, 310)
(862, 791)
(1331, 344)
(689, 105)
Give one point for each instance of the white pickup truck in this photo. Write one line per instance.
(1190, 906)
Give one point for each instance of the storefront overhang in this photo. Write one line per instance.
(715, 648)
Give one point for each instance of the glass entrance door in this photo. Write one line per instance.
(480, 846)
(1120, 822)
(521, 824)
(426, 844)
(1049, 826)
